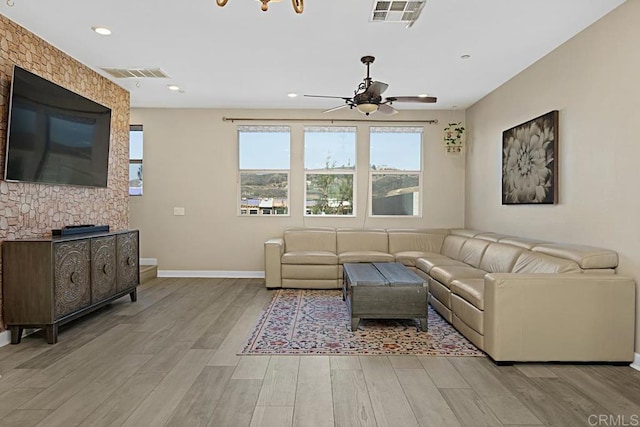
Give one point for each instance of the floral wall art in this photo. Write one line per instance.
(529, 162)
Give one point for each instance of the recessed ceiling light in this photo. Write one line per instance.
(103, 31)
(465, 56)
(292, 94)
(423, 95)
(174, 88)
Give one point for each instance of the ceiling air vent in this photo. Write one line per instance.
(406, 12)
(139, 73)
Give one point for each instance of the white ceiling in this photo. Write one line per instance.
(240, 57)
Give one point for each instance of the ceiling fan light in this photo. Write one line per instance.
(367, 108)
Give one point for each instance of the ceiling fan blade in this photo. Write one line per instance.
(336, 108)
(387, 109)
(376, 88)
(423, 99)
(324, 96)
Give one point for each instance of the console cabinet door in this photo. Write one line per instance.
(127, 254)
(103, 268)
(72, 277)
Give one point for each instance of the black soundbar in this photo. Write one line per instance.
(79, 229)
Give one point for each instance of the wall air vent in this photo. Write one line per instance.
(139, 73)
(406, 12)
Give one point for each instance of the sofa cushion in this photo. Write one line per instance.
(472, 251)
(500, 258)
(471, 290)
(586, 256)
(310, 257)
(310, 239)
(465, 232)
(441, 293)
(419, 240)
(409, 258)
(468, 314)
(446, 274)
(521, 242)
(491, 236)
(365, 256)
(534, 262)
(359, 240)
(320, 272)
(428, 261)
(452, 245)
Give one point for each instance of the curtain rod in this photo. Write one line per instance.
(254, 119)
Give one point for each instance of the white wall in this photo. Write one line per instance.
(594, 81)
(190, 161)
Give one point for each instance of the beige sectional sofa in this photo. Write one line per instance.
(517, 299)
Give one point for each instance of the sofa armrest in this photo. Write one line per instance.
(273, 250)
(559, 317)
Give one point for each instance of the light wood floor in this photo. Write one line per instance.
(170, 359)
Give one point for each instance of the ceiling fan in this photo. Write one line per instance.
(367, 98)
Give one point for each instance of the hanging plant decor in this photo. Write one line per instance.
(453, 137)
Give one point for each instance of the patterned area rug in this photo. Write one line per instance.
(301, 321)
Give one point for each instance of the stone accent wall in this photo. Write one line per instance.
(32, 210)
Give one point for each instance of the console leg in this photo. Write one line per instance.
(354, 323)
(134, 295)
(16, 334)
(423, 324)
(52, 333)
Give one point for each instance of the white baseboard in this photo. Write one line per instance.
(148, 261)
(212, 274)
(5, 336)
(636, 362)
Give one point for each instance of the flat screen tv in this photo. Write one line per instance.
(55, 136)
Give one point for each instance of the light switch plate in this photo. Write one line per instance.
(178, 211)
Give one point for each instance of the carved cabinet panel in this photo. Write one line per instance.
(72, 286)
(127, 254)
(103, 268)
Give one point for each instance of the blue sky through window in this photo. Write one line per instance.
(335, 147)
(135, 144)
(264, 150)
(396, 150)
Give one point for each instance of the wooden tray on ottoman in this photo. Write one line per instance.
(384, 290)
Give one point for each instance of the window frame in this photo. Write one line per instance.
(333, 171)
(410, 172)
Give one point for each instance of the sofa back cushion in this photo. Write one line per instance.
(499, 258)
(587, 257)
(465, 232)
(491, 236)
(452, 245)
(521, 242)
(310, 239)
(358, 240)
(416, 240)
(534, 262)
(472, 251)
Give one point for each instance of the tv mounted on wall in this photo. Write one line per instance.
(55, 136)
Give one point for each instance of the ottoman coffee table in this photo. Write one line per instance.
(384, 290)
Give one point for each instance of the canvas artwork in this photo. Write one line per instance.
(530, 163)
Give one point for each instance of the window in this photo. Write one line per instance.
(395, 170)
(329, 162)
(263, 163)
(135, 160)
